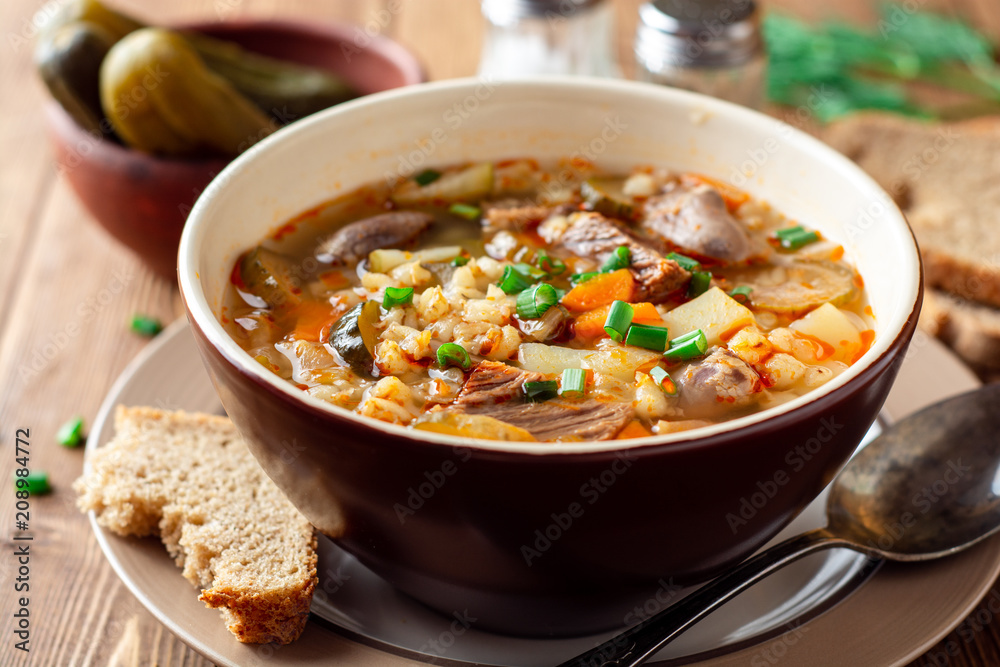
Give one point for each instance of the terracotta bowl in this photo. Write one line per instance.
(545, 538)
(143, 200)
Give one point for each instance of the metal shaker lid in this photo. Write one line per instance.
(698, 33)
(505, 12)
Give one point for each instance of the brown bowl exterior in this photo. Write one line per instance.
(143, 200)
(555, 544)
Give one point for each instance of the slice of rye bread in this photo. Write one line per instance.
(946, 179)
(972, 330)
(190, 479)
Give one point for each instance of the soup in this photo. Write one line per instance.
(513, 301)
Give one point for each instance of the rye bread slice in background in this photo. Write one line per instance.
(190, 479)
(972, 330)
(946, 179)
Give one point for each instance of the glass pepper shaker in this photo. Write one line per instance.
(526, 37)
(713, 47)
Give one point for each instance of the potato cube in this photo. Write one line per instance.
(714, 312)
(830, 326)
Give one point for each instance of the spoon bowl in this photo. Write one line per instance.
(928, 487)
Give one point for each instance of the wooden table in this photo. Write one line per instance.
(68, 290)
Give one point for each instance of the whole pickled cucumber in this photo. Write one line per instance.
(161, 98)
(286, 90)
(116, 24)
(69, 61)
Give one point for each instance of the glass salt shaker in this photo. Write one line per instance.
(526, 37)
(713, 47)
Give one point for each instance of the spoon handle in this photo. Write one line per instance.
(636, 645)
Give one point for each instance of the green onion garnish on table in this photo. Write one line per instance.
(690, 345)
(621, 258)
(397, 296)
(453, 354)
(36, 483)
(663, 379)
(618, 321)
(684, 261)
(574, 382)
(145, 325)
(534, 301)
(70, 434)
(466, 211)
(542, 390)
(648, 337)
(700, 282)
(793, 238)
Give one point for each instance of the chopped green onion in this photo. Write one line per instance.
(145, 325)
(685, 262)
(690, 345)
(70, 434)
(796, 237)
(513, 281)
(550, 265)
(700, 282)
(466, 211)
(36, 483)
(397, 296)
(453, 354)
(663, 379)
(741, 294)
(574, 382)
(534, 301)
(619, 259)
(426, 177)
(619, 319)
(532, 272)
(461, 260)
(648, 337)
(578, 278)
(542, 390)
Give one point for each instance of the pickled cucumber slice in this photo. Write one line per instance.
(799, 285)
(269, 275)
(472, 426)
(607, 197)
(470, 184)
(353, 337)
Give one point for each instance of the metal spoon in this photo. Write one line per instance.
(928, 487)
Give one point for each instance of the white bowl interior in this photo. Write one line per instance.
(615, 124)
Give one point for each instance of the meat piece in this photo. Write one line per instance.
(514, 214)
(718, 383)
(494, 382)
(352, 243)
(563, 420)
(697, 220)
(594, 236)
(495, 389)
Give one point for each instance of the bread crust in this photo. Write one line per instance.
(190, 479)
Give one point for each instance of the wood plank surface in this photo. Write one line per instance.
(67, 291)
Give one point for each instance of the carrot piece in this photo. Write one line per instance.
(591, 323)
(601, 290)
(733, 196)
(633, 430)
